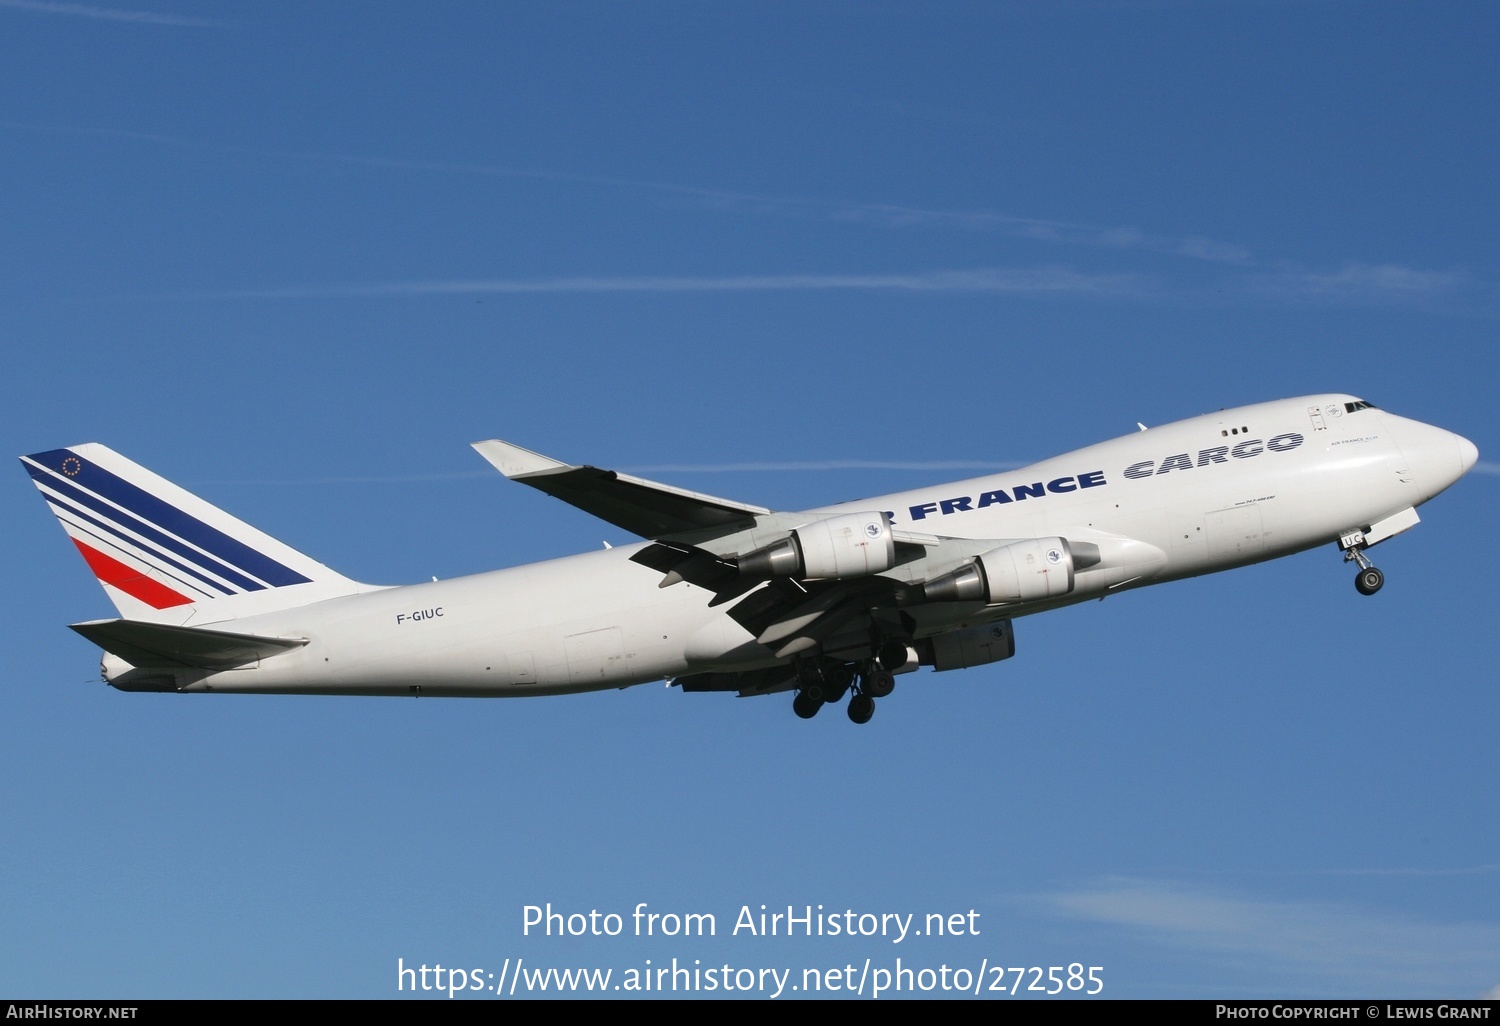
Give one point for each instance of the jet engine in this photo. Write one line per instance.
(849, 545)
(1023, 571)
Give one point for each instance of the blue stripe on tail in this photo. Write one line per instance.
(67, 466)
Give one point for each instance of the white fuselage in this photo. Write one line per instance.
(1194, 497)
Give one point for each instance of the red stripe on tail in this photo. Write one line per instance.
(132, 582)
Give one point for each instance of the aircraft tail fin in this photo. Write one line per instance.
(162, 554)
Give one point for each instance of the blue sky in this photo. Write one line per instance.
(296, 257)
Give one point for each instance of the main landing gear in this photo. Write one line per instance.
(821, 684)
(1369, 580)
(805, 705)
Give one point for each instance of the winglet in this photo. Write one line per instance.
(514, 461)
(647, 508)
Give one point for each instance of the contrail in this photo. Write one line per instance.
(784, 467)
(1054, 280)
(111, 14)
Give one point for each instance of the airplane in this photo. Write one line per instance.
(723, 596)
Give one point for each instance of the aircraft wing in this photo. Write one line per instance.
(159, 644)
(789, 616)
(642, 507)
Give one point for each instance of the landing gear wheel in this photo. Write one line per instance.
(893, 655)
(839, 677)
(805, 706)
(878, 684)
(861, 708)
(1369, 579)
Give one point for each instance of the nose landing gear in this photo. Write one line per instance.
(1369, 579)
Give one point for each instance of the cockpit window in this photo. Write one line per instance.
(1359, 404)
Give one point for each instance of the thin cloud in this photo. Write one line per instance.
(1351, 947)
(1384, 285)
(1054, 232)
(792, 466)
(817, 465)
(1359, 281)
(1354, 282)
(353, 479)
(1485, 467)
(1042, 230)
(885, 214)
(1034, 281)
(1414, 871)
(1485, 869)
(73, 10)
(507, 171)
(116, 133)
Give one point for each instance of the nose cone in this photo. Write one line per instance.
(1434, 458)
(1468, 453)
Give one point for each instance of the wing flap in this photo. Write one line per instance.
(645, 508)
(164, 645)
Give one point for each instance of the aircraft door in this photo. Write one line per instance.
(1188, 548)
(1235, 535)
(595, 655)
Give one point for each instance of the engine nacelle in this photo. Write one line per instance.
(1023, 571)
(848, 545)
(972, 646)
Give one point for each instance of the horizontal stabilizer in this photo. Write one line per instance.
(641, 507)
(159, 644)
